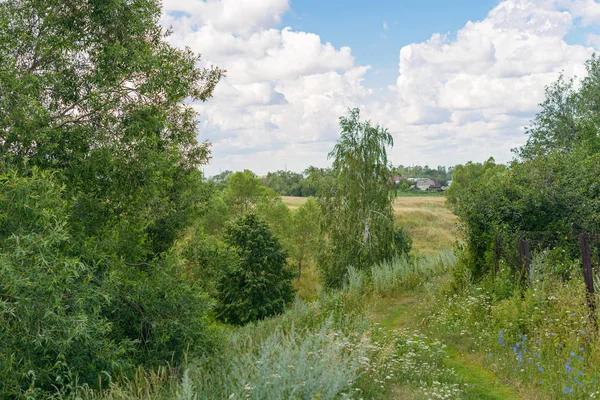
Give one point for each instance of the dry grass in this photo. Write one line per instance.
(293, 202)
(432, 226)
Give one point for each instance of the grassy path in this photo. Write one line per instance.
(402, 312)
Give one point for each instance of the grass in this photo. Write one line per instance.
(432, 226)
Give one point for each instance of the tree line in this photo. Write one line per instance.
(288, 183)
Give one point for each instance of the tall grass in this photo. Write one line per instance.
(403, 271)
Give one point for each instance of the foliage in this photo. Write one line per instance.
(287, 183)
(402, 240)
(357, 207)
(243, 192)
(206, 256)
(306, 233)
(53, 334)
(163, 308)
(569, 117)
(260, 286)
(94, 91)
(547, 196)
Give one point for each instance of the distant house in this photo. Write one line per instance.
(428, 184)
(396, 179)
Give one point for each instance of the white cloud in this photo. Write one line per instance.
(457, 97)
(593, 40)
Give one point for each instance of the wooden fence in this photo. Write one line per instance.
(586, 262)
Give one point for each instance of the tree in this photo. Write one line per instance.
(92, 89)
(306, 233)
(569, 117)
(261, 285)
(52, 331)
(244, 190)
(285, 183)
(357, 206)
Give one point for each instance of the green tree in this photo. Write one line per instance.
(244, 190)
(93, 89)
(569, 117)
(306, 233)
(357, 206)
(261, 285)
(285, 183)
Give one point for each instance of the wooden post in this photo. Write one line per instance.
(524, 261)
(588, 277)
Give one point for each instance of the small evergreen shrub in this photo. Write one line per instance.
(261, 284)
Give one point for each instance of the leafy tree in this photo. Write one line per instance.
(221, 179)
(92, 89)
(261, 285)
(206, 257)
(569, 118)
(357, 206)
(550, 194)
(286, 183)
(244, 190)
(246, 193)
(306, 233)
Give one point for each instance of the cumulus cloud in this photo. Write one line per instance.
(479, 89)
(458, 97)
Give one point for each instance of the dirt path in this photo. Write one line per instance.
(402, 312)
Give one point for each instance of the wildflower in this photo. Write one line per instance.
(568, 390)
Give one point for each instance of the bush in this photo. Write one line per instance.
(261, 284)
(162, 309)
(65, 323)
(402, 241)
(52, 332)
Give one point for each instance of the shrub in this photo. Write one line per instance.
(261, 284)
(402, 241)
(162, 309)
(52, 333)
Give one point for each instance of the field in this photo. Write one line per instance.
(431, 225)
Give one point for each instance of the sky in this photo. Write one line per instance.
(452, 81)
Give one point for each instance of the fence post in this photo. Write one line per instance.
(524, 261)
(588, 277)
(497, 254)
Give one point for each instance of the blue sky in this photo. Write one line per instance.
(359, 24)
(453, 81)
